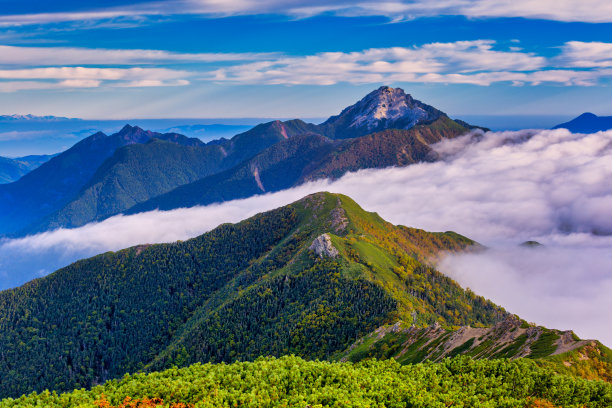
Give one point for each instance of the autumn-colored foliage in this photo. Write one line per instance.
(129, 402)
(539, 403)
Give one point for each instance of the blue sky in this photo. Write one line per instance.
(271, 58)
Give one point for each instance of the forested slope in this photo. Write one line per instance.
(240, 291)
(307, 157)
(134, 174)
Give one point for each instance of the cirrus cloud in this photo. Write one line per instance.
(593, 11)
(36, 56)
(84, 77)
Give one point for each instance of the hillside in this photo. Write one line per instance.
(51, 186)
(510, 338)
(260, 287)
(307, 157)
(278, 167)
(292, 382)
(587, 123)
(13, 169)
(134, 174)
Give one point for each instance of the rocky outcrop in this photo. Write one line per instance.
(323, 246)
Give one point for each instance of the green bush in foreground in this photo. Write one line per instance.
(293, 382)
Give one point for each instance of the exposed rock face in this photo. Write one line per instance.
(384, 108)
(339, 220)
(323, 246)
(387, 103)
(509, 338)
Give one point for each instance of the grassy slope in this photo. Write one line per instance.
(311, 308)
(511, 338)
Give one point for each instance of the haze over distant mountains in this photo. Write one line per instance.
(13, 169)
(136, 170)
(22, 135)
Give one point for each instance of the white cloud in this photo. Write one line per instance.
(476, 62)
(111, 74)
(587, 54)
(47, 56)
(566, 288)
(463, 62)
(82, 77)
(500, 189)
(593, 11)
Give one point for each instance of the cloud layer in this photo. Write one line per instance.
(498, 188)
(566, 288)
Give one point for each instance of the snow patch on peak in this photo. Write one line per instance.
(386, 104)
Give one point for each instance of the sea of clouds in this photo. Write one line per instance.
(499, 188)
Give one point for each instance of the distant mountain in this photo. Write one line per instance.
(207, 132)
(52, 185)
(259, 138)
(13, 169)
(587, 123)
(278, 167)
(134, 169)
(32, 118)
(307, 157)
(384, 108)
(133, 174)
(96, 178)
(306, 279)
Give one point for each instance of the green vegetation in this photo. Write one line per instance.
(134, 174)
(107, 315)
(462, 348)
(592, 361)
(512, 349)
(246, 290)
(544, 345)
(506, 339)
(292, 382)
(236, 293)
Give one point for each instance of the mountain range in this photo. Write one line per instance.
(320, 278)
(130, 172)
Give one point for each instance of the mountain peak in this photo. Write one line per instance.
(383, 108)
(128, 129)
(587, 123)
(385, 103)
